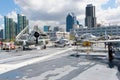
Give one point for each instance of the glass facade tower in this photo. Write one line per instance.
(22, 22)
(70, 21)
(6, 24)
(10, 28)
(90, 19)
(46, 28)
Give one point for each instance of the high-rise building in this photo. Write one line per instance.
(56, 28)
(15, 24)
(6, 29)
(10, 28)
(1, 34)
(70, 21)
(22, 22)
(90, 19)
(46, 28)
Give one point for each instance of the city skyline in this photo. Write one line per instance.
(13, 28)
(55, 11)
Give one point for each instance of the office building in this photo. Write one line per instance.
(70, 21)
(22, 22)
(53, 35)
(10, 28)
(110, 30)
(56, 28)
(1, 34)
(46, 28)
(90, 19)
(6, 29)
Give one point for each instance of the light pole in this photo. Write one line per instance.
(76, 39)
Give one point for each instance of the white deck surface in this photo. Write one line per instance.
(87, 69)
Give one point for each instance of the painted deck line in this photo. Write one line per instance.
(7, 68)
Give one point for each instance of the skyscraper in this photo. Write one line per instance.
(10, 28)
(90, 19)
(22, 22)
(70, 21)
(6, 30)
(1, 34)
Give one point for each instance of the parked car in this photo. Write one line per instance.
(8, 46)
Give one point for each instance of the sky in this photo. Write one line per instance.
(54, 12)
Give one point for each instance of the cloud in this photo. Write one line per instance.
(13, 14)
(109, 16)
(44, 12)
(2, 26)
(1, 16)
(1, 22)
(117, 2)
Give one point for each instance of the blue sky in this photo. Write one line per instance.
(56, 10)
(109, 4)
(6, 6)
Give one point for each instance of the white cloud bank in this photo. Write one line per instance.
(12, 15)
(1, 22)
(54, 12)
(1, 16)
